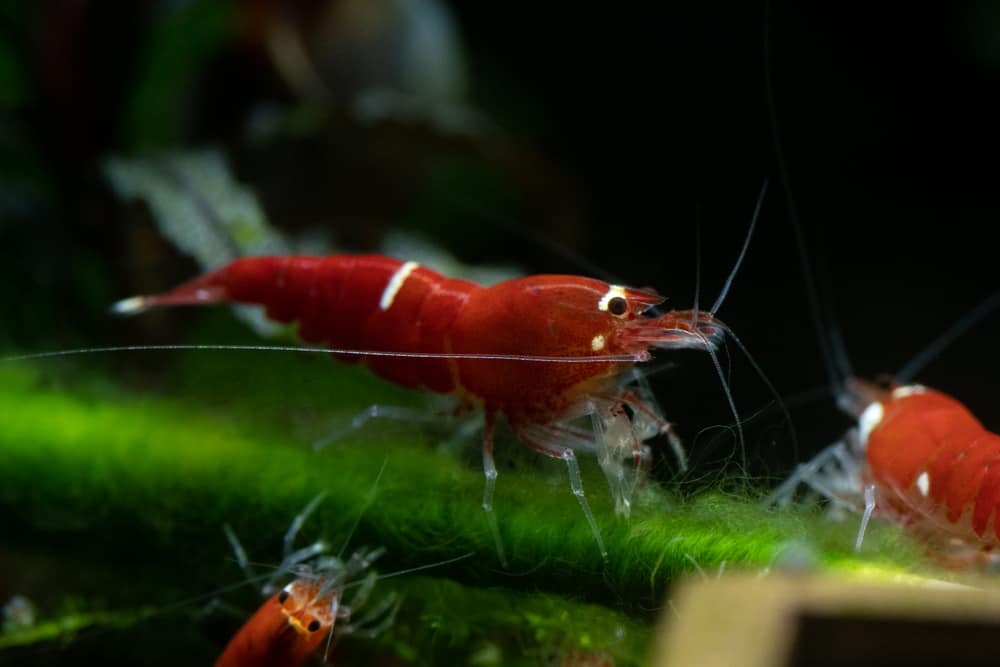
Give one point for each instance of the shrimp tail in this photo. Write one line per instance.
(204, 290)
(249, 280)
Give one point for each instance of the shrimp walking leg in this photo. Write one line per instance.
(612, 437)
(831, 473)
(618, 434)
(296, 525)
(648, 422)
(376, 620)
(490, 471)
(647, 411)
(290, 557)
(869, 508)
(389, 412)
(614, 434)
(547, 440)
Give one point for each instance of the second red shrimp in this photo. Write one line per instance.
(917, 457)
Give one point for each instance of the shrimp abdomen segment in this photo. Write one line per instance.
(355, 302)
(964, 487)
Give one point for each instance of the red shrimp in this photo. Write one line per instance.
(303, 615)
(287, 629)
(494, 348)
(936, 467)
(917, 457)
(295, 621)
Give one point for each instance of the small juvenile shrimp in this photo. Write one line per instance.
(295, 620)
(286, 630)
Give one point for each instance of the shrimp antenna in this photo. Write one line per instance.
(743, 251)
(539, 240)
(418, 568)
(625, 358)
(831, 342)
(185, 602)
(364, 508)
(300, 518)
(929, 353)
(767, 382)
(718, 304)
(697, 265)
(729, 396)
(239, 552)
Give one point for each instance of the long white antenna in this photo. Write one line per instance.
(624, 358)
(743, 252)
(831, 343)
(963, 324)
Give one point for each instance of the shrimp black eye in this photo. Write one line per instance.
(618, 306)
(314, 626)
(282, 596)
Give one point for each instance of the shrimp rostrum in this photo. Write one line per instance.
(542, 351)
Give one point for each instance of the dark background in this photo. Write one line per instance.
(619, 128)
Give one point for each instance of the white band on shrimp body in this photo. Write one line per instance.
(613, 292)
(870, 418)
(395, 284)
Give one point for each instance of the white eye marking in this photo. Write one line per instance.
(924, 483)
(613, 292)
(395, 284)
(597, 344)
(868, 420)
(908, 390)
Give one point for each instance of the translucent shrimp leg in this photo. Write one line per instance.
(373, 412)
(548, 440)
(490, 470)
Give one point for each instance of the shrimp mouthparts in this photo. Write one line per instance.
(677, 330)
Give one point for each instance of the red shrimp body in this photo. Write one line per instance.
(371, 302)
(934, 464)
(378, 304)
(288, 628)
